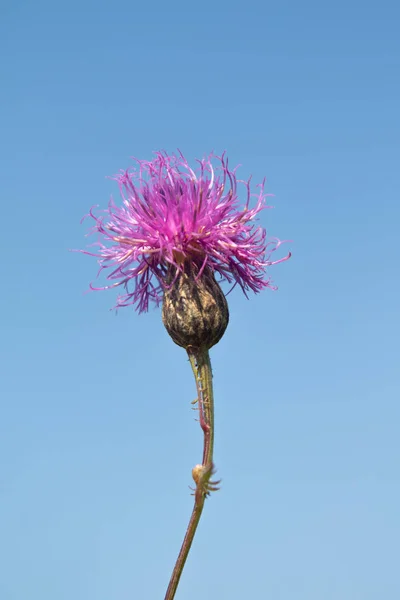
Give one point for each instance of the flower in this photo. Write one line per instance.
(172, 216)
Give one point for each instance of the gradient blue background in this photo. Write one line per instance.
(97, 437)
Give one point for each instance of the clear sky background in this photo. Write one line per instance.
(97, 437)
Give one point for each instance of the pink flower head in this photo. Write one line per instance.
(170, 216)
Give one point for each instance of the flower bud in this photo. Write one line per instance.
(195, 312)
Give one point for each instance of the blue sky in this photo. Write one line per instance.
(97, 437)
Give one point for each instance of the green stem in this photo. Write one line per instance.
(186, 545)
(201, 366)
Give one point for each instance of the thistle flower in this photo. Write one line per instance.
(175, 231)
(173, 219)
